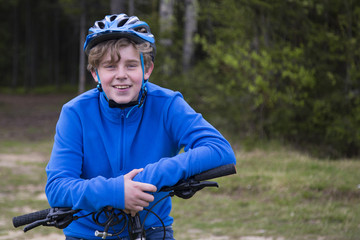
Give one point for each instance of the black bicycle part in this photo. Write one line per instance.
(217, 172)
(29, 218)
(54, 217)
(187, 188)
(62, 217)
(136, 230)
(112, 219)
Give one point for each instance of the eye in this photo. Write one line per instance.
(109, 66)
(132, 65)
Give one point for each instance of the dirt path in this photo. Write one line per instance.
(54, 236)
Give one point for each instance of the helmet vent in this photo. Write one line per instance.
(122, 22)
(141, 30)
(100, 24)
(113, 17)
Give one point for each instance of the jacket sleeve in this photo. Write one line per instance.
(204, 147)
(65, 187)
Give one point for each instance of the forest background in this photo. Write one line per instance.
(285, 70)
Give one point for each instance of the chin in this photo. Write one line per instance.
(123, 101)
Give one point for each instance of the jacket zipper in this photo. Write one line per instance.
(122, 142)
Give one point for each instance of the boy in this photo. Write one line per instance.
(118, 144)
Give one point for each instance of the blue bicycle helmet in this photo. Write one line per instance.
(119, 26)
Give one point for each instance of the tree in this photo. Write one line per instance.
(190, 28)
(15, 67)
(117, 6)
(166, 21)
(82, 31)
(279, 69)
(30, 37)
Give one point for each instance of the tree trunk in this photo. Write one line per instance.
(189, 31)
(117, 6)
(15, 67)
(166, 25)
(349, 47)
(30, 79)
(131, 7)
(82, 76)
(56, 47)
(166, 21)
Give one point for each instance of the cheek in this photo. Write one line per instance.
(137, 78)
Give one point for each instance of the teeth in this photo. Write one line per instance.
(121, 87)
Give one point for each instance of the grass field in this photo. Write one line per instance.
(277, 193)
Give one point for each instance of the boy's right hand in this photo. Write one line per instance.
(136, 196)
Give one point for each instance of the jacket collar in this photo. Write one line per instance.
(116, 114)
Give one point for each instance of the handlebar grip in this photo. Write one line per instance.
(30, 217)
(216, 172)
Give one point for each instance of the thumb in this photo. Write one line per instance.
(133, 173)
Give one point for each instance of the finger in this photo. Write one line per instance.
(142, 203)
(133, 213)
(133, 173)
(146, 198)
(130, 212)
(141, 199)
(135, 210)
(147, 187)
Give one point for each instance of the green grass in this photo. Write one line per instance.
(277, 192)
(42, 147)
(22, 183)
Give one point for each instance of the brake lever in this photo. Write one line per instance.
(35, 224)
(61, 217)
(57, 217)
(187, 188)
(58, 213)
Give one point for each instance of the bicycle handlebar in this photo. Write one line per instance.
(217, 172)
(62, 217)
(188, 187)
(57, 217)
(30, 218)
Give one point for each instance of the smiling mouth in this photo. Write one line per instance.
(122, 87)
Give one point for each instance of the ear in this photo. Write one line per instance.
(93, 74)
(149, 71)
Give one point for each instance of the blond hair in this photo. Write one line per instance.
(98, 52)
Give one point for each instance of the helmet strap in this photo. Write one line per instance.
(143, 90)
(99, 87)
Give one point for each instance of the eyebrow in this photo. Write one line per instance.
(132, 61)
(127, 61)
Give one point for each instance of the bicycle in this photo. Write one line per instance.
(61, 217)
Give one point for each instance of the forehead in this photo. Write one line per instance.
(126, 53)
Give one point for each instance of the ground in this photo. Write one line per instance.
(29, 117)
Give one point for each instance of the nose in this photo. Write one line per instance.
(120, 73)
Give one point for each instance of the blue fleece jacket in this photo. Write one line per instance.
(95, 146)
